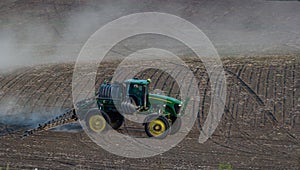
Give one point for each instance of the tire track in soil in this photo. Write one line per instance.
(271, 116)
(244, 112)
(12, 79)
(189, 89)
(32, 100)
(250, 109)
(242, 70)
(293, 95)
(253, 95)
(161, 74)
(12, 76)
(274, 78)
(279, 96)
(296, 101)
(28, 87)
(201, 117)
(174, 85)
(260, 91)
(227, 111)
(204, 88)
(185, 76)
(61, 89)
(167, 81)
(199, 85)
(247, 136)
(237, 91)
(66, 88)
(283, 85)
(266, 93)
(288, 102)
(233, 103)
(52, 87)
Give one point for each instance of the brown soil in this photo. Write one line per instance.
(260, 128)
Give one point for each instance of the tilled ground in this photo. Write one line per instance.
(260, 128)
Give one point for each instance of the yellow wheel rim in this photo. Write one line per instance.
(97, 123)
(157, 127)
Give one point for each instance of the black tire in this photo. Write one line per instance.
(97, 121)
(157, 126)
(116, 119)
(176, 124)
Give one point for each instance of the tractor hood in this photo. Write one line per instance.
(166, 99)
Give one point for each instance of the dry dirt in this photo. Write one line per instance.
(260, 128)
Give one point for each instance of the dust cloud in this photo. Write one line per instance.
(37, 32)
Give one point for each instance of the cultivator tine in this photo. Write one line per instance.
(68, 117)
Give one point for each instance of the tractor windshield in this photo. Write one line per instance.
(139, 93)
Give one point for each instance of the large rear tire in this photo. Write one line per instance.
(97, 121)
(157, 126)
(116, 119)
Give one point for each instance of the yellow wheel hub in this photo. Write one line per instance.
(157, 127)
(97, 123)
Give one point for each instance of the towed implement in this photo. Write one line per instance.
(161, 114)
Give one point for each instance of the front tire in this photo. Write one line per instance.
(176, 124)
(157, 126)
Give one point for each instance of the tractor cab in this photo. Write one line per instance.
(138, 92)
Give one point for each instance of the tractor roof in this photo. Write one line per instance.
(137, 81)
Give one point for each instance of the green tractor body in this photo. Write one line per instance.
(133, 97)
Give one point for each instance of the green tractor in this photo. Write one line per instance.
(162, 113)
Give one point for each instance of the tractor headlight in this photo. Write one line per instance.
(177, 108)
